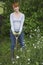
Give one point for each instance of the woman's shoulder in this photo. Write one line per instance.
(11, 14)
(22, 13)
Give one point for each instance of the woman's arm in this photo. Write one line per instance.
(12, 25)
(11, 22)
(22, 22)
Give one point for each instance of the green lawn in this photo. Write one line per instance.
(5, 55)
(32, 55)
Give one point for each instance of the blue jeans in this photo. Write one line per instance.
(13, 40)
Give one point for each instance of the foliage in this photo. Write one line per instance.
(33, 29)
(33, 10)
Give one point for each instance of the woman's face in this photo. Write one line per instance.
(16, 9)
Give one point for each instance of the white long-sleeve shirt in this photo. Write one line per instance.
(17, 23)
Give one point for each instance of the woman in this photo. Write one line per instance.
(16, 21)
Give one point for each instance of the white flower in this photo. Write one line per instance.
(38, 42)
(30, 36)
(41, 36)
(13, 62)
(42, 63)
(28, 63)
(17, 57)
(28, 59)
(35, 30)
(34, 46)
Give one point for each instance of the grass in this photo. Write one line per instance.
(32, 55)
(5, 55)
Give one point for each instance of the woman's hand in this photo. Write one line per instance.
(16, 33)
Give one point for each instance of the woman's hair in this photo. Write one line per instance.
(15, 4)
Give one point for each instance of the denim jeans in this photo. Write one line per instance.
(13, 40)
